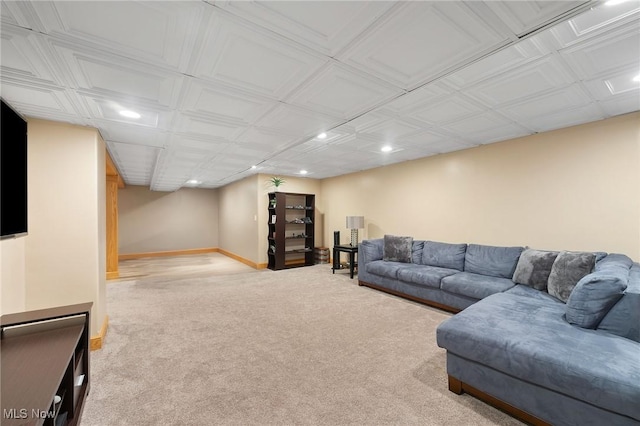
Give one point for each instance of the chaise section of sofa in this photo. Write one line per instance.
(519, 348)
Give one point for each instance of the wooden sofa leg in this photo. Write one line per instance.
(455, 385)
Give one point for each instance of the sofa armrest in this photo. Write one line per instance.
(370, 250)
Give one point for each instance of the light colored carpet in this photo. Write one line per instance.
(294, 347)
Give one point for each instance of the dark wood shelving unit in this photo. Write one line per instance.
(45, 366)
(291, 230)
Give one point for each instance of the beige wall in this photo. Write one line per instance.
(239, 218)
(66, 245)
(574, 189)
(152, 221)
(244, 214)
(12, 276)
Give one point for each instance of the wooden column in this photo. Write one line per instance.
(114, 181)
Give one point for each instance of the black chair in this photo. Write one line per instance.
(336, 256)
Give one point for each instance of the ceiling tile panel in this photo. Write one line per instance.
(115, 76)
(565, 118)
(566, 98)
(40, 101)
(22, 56)
(342, 93)
(530, 80)
(606, 53)
(621, 82)
(525, 16)
(200, 124)
(449, 109)
(621, 104)
(403, 50)
(484, 128)
(598, 20)
(158, 32)
(424, 95)
(225, 103)
(297, 121)
(502, 61)
(253, 59)
(325, 26)
(131, 134)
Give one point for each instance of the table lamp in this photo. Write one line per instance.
(354, 223)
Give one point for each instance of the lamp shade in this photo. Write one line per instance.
(355, 222)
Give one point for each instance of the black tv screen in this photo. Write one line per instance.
(13, 173)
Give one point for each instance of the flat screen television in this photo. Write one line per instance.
(13, 173)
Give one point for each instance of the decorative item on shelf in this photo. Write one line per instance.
(276, 182)
(272, 203)
(354, 223)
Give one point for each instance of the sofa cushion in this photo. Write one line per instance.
(534, 267)
(623, 319)
(526, 291)
(567, 270)
(444, 255)
(528, 339)
(397, 249)
(429, 276)
(416, 251)
(475, 286)
(594, 295)
(614, 260)
(384, 268)
(491, 260)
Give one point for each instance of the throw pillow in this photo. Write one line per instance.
(534, 267)
(593, 297)
(397, 249)
(567, 270)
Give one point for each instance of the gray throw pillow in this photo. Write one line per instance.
(534, 267)
(593, 297)
(397, 249)
(567, 270)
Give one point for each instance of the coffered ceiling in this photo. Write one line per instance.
(221, 86)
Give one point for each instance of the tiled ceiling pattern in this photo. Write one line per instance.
(222, 86)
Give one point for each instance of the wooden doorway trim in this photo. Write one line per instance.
(113, 182)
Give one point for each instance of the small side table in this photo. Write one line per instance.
(348, 248)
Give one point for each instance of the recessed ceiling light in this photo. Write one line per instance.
(386, 148)
(322, 135)
(303, 172)
(254, 167)
(636, 78)
(193, 182)
(129, 114)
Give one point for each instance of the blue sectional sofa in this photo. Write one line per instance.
(551, 337)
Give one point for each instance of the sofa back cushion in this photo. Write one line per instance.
(416, 251)
(491, 260)
(534, 267)
(623, 319)
(569, 268)
(397, 249)
(614, 260)
(444, 255)
(594, 295)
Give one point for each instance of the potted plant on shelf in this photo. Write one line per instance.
(276, 182)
